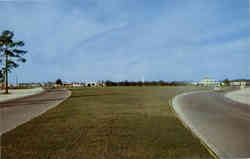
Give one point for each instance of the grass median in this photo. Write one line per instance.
(108, 123)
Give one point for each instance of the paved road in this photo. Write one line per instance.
(220, 122)
(241, 95)
(19, 111)
(19, 93)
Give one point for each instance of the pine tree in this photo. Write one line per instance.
(10, 55)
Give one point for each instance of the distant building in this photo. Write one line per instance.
(91, 84)
(29, 84)
(243, 84)
(74, 84)
(67, 84)
(94, 84)
(36, 85)
(238, 83)
(208, 82)
(77, 84)
(195, 83)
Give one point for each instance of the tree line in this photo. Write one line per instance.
(146, 83)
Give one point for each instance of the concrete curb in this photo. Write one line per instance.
(210, 148)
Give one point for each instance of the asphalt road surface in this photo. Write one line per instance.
(223, 124)
(16, 112)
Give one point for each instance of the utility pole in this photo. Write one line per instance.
(16, 81)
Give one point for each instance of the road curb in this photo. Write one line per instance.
(203, 143)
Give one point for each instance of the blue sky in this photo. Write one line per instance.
(127, 39)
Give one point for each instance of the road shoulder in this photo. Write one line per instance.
(241, 96)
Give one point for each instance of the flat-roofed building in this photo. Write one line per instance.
(238, 83)
(78, 84)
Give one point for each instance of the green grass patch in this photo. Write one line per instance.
(107, 123)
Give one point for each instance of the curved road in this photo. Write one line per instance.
(16, 112)
(224, 125)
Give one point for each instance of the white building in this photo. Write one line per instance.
(94, 84)
(195, 83)
(208, 82)
(238, 83)
(77, 84)
(91, 84)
